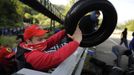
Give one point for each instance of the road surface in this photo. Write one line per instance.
(104, 53)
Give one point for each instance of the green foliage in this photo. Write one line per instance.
(68, 6)
(72, 2)
(13, 13)
(43, 20)
(8, 15)
(19, 7)
(27, 15)
(8, 40)
(61, 8)
(59, 27)
(130, 25)
(120, 26)
(49, 34)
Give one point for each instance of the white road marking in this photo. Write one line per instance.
(113, 41)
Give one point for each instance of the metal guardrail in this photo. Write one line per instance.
(72, 65)
(69, 65)
(52, 8)
(45, 7)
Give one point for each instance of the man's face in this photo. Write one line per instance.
(36, 40)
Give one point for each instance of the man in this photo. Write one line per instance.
(131, 45)
(7, 64)
(5, 53)
(124, 38)
(119, 50)
(89, 23)
(32, 53)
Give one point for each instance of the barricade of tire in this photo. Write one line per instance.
(80, 8)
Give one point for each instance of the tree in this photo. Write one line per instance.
(130, 25)
(68, 6)
(61, 8)
(8, 14)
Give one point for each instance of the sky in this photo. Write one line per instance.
(124, 8)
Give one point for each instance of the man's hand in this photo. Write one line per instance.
(77, 36)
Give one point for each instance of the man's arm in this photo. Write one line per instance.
(43, 60)
(54, 39)
(40, 60)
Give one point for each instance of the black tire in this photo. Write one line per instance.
(80, 8)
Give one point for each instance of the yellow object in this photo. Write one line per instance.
(9, 49)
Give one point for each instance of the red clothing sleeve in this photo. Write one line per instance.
(9, 56)
(56, 38)
(43, 61)
(4, 52)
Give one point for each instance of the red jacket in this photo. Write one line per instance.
(42, 60)
(5, 54)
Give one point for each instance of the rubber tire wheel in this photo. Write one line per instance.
(80, 8)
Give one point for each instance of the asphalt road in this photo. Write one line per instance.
(104, 53)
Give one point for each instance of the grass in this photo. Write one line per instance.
(8, 41)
